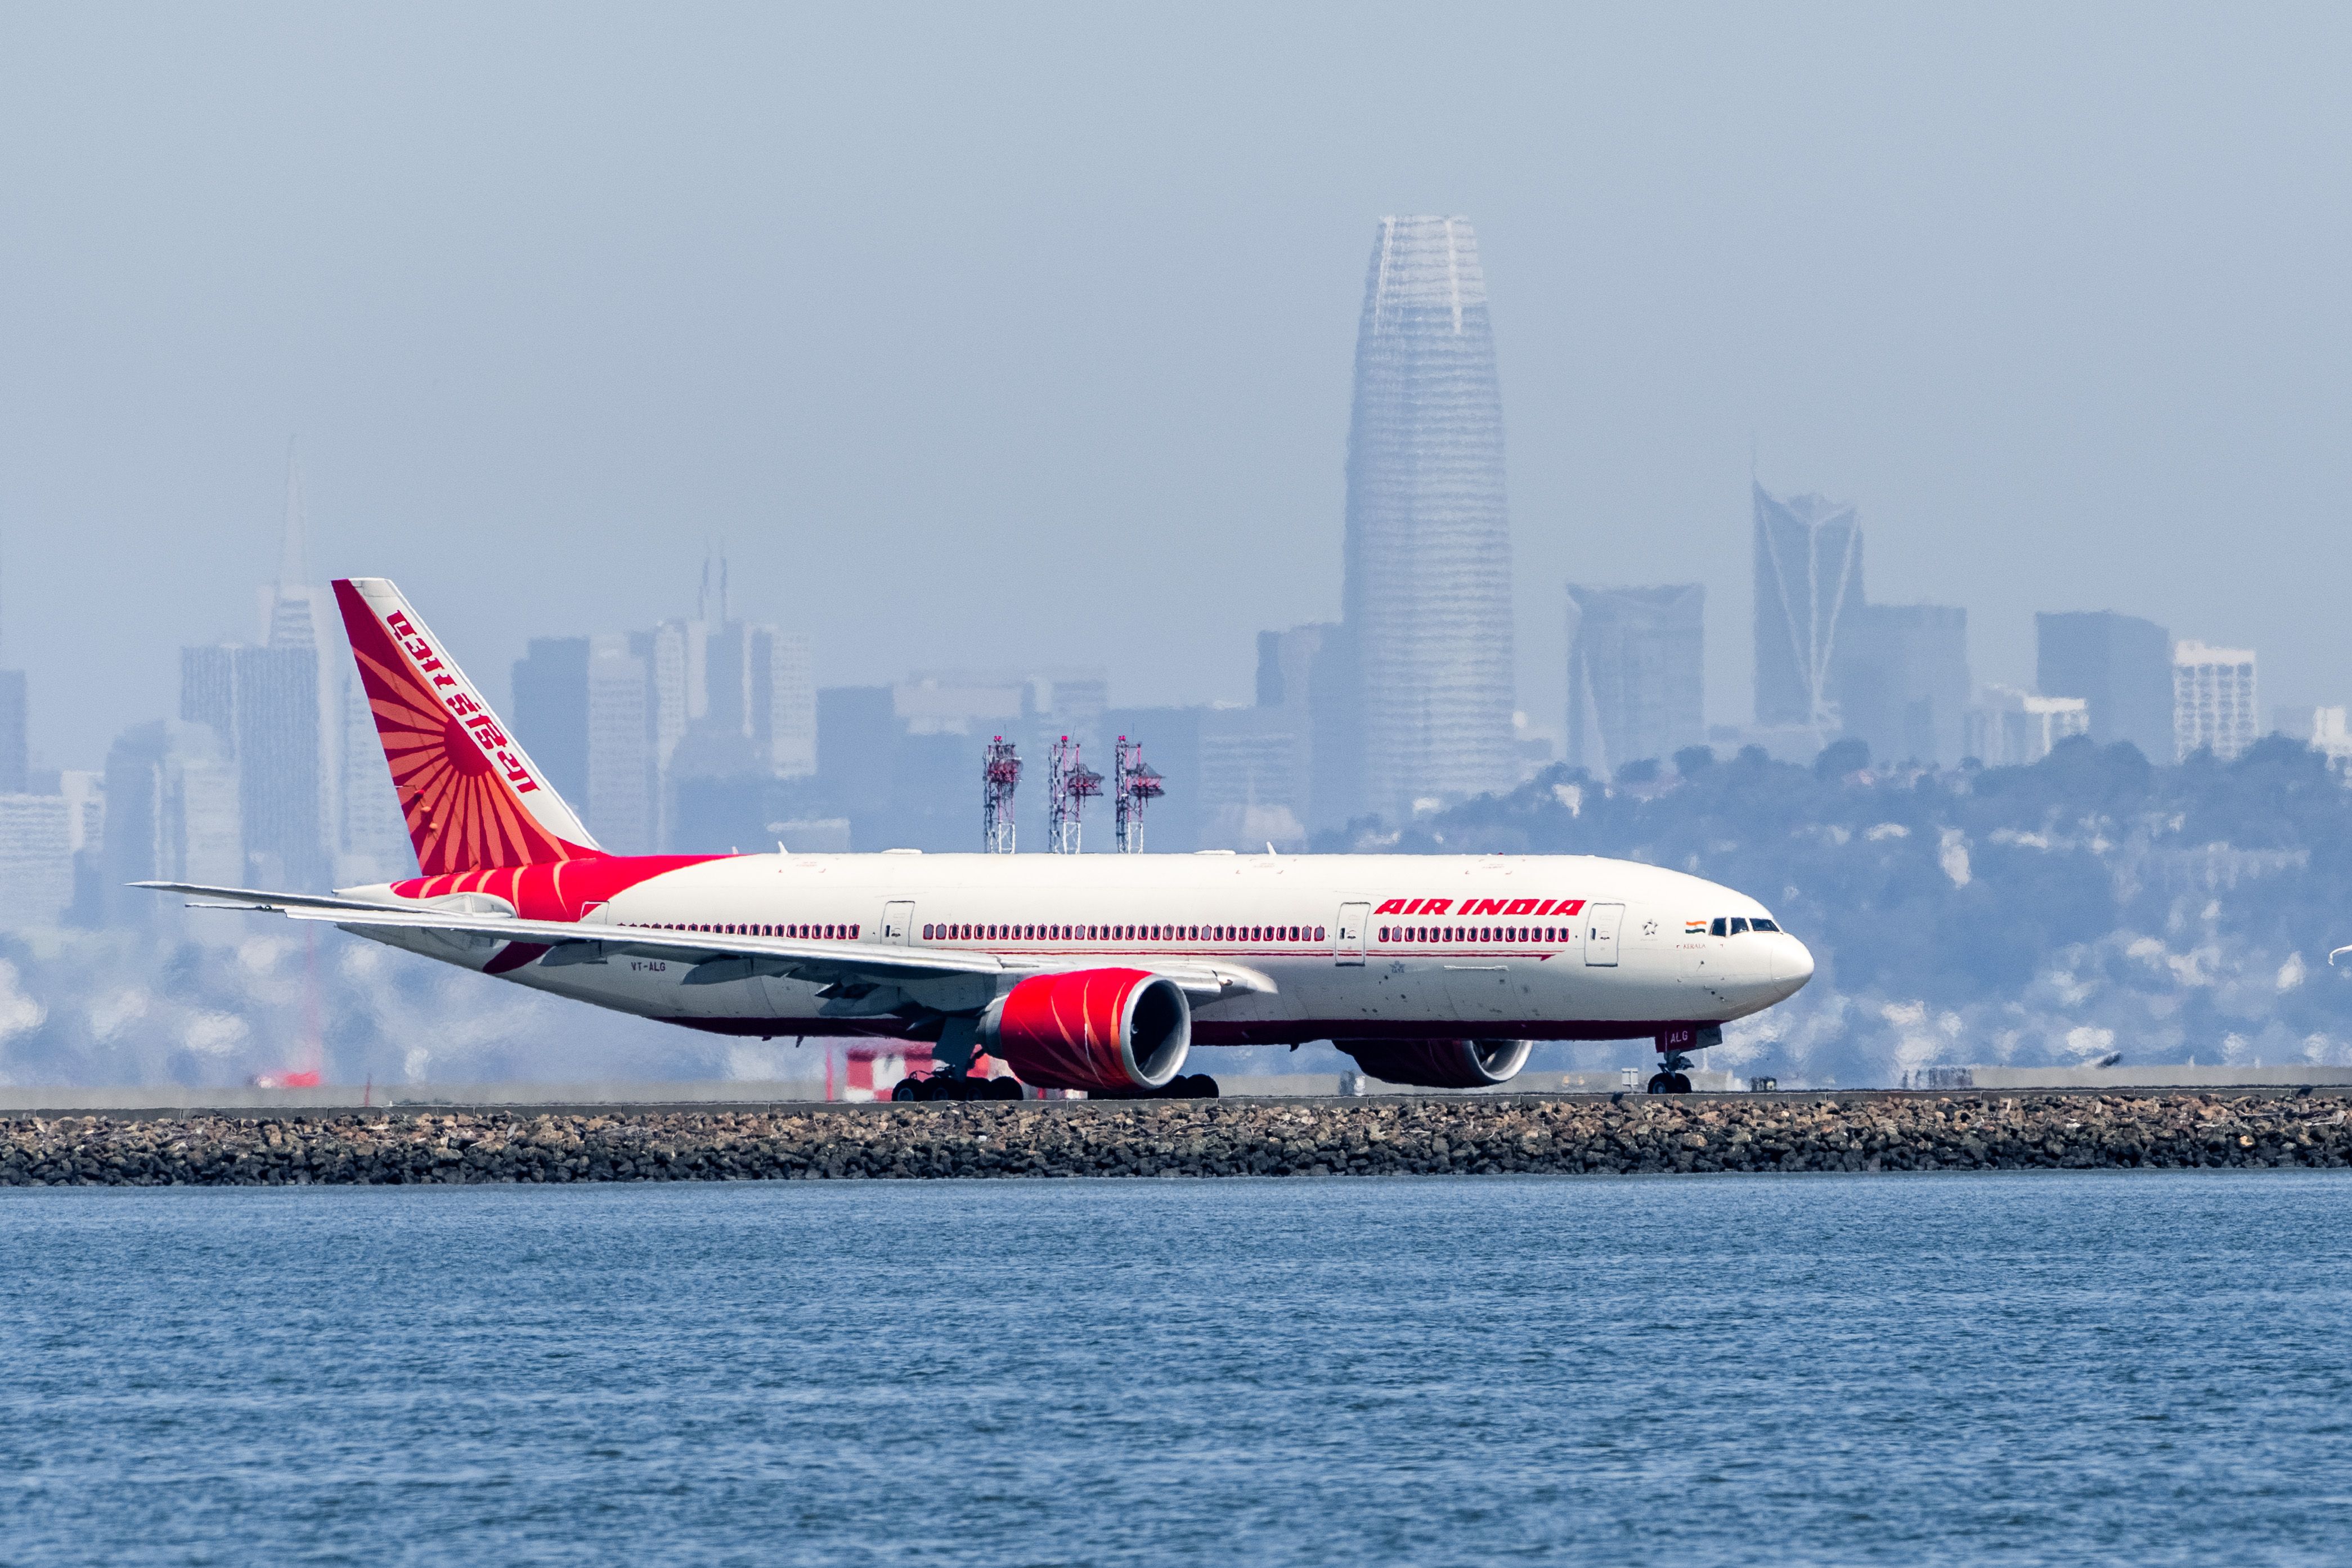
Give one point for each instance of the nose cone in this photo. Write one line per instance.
(1792, 963)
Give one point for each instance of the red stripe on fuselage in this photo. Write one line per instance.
(558, 890)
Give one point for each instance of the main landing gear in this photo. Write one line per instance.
(1671, 1082)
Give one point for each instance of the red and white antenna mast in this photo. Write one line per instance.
(1072, 784)
(1134, 784)
(1000, 774)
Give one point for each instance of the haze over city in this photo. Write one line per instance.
(1034, 348)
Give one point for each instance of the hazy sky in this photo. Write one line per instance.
(1006, 338)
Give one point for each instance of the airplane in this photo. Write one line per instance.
(1092, 973)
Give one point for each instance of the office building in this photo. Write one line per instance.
(16, 747)
(622, 788)
(1901, 681)
(373, 842)
(1808, 586)
(1428, 558)
(2120, 665)
(2214, 705)
(36, 860)
(2011, 728)
(551, 711)
(172, 813)
(263, 704)
(1636, 674)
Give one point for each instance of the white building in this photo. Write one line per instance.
(2321, 728)
(2214, 700)
(2011, 728)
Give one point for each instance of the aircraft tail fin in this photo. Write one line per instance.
(473, 797)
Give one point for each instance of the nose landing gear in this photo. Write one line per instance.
(1673, 1041)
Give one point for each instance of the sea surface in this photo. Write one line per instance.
(2029, 1368)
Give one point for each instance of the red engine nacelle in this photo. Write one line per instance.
(1440, 1063)
(1091, 1028)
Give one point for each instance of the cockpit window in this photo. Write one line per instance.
(1739, 926)
(1762, 925)
(1722, 927)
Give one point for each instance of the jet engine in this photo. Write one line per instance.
(1440, 1063)
(1097, 1029)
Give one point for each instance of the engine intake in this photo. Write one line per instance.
(1091, 1028)
(1440, 1063)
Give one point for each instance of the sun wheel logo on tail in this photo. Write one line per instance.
(1440, 1063)
(1097, 1029)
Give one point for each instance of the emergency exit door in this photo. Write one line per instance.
(899, 923)
(1600, 923)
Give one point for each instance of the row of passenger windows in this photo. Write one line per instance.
(847, 933)
(956, 931)
(1440, 934)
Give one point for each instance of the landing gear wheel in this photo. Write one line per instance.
(907, 1089)
(1005, 1089)
(1203, 1087)
(1661, 1084)
(1682, 1083)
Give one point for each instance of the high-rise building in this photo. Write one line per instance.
(36, 864)
(622, 788)
(2214, 700)
(1808, 586)
(373, 840)
(264, 704)
(551, 707)
(2011, 728)
(2120, 665)
(15, 748)
(172, 813)
(1636, 674)
(1428, 569)
(1901, 680)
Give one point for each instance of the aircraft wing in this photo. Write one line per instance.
(714, 956)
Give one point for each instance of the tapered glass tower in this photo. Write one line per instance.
(1428, 598)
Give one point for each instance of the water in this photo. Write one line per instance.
(2062, 1368)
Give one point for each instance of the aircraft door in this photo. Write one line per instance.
(1600, 923)
(899, 924)
(1348, 935)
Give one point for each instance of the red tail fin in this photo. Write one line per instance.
(473, 797)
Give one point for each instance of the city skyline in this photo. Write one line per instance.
(840, 331)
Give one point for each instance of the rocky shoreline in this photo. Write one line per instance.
(1480, 1136)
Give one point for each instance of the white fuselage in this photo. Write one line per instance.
(1348, 947)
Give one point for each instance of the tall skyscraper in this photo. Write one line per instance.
(263, 703)
(1901, 679)
(1636, 674)
(172, 814)
(2120, 665)
(551, 707)
(1808, 584)
(1428, 590)
(622, 785)
(2214, 700)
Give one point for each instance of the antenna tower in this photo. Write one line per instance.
(1135, 783)
(1000, 774)
(1072, 784)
